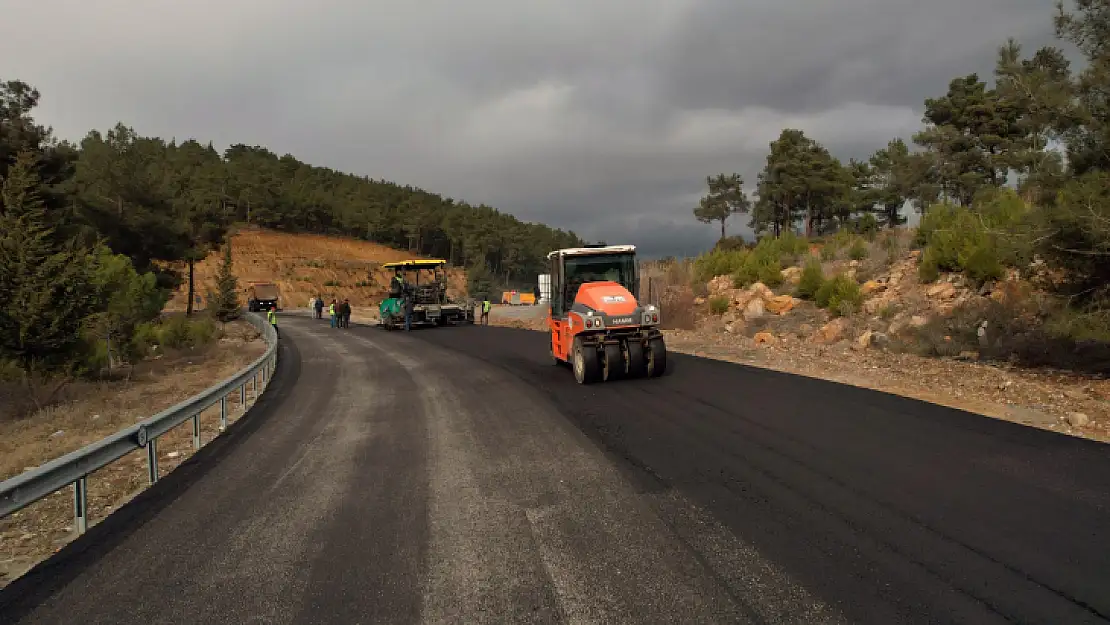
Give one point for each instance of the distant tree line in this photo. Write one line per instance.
(94, 237)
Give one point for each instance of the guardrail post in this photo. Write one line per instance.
(223, 413)
(152, 460)
(81, 503)
(243, 397)
(196, 431)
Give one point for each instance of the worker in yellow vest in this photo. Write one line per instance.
(331, 312)
(271, 316)
(485, 310)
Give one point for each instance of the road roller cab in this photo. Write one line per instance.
(596, 321)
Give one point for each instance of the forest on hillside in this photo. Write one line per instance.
(1042, 123)
(95, 236)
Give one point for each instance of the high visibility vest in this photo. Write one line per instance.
(331, 309)
(272, 316)
(485, 306)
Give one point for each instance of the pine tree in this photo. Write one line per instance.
(227, 290)
(49, 290)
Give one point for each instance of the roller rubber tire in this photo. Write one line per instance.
(613, 366)
(657, 357)
(587, 369)
(637, 362)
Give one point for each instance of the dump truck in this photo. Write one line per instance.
(518, 298)
(596, 323)
(262, 296)
(428, 297)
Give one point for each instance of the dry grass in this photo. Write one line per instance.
(304, 265)
(97, 410)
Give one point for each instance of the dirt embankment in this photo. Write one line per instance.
(306, 265)
(95, 410)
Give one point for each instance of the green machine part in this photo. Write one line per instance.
(393, 306)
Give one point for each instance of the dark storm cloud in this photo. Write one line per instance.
(600, 117)
(813, 55)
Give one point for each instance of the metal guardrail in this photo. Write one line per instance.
(74, 468)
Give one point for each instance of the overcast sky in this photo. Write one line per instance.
(601, 116)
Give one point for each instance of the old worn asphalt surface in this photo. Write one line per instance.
(455, 475)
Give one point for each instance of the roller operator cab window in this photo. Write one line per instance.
(619, 268)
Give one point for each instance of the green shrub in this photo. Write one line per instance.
(788, 247)
(177, 332)
(762, 263)
(144, 337)
(811, 280)
(718, 305)
(858, 250)
(174, 332)
(9, 371)
(730, 244)
(202, 331)
(841, 296)
(977, 241)
(866, 225)
(718, 263)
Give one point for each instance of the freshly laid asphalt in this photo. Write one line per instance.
(456, 475)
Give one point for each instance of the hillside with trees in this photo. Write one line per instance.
(95, 237)
(1010, 177)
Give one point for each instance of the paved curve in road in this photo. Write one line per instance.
(456, 475)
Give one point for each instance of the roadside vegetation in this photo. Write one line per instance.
(1028, 264)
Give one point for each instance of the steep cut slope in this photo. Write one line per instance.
(303, 265)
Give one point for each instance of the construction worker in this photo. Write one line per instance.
(397, 285)
(485, 310)
(345, 311)
(331, 313)
(319, 307)
(271, 316)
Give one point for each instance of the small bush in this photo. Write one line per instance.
(177, 332)
(174, 332)
(757, 268)
(718, 263)
(858, 250)
(929, 269)
(866, 225)
(332, 283)
(9, 371)
(202, 331)
(976, 241)
(730, 244)
(718, 305)
(811, 280)
(841, 296)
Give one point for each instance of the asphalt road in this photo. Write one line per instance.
(454, 475)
